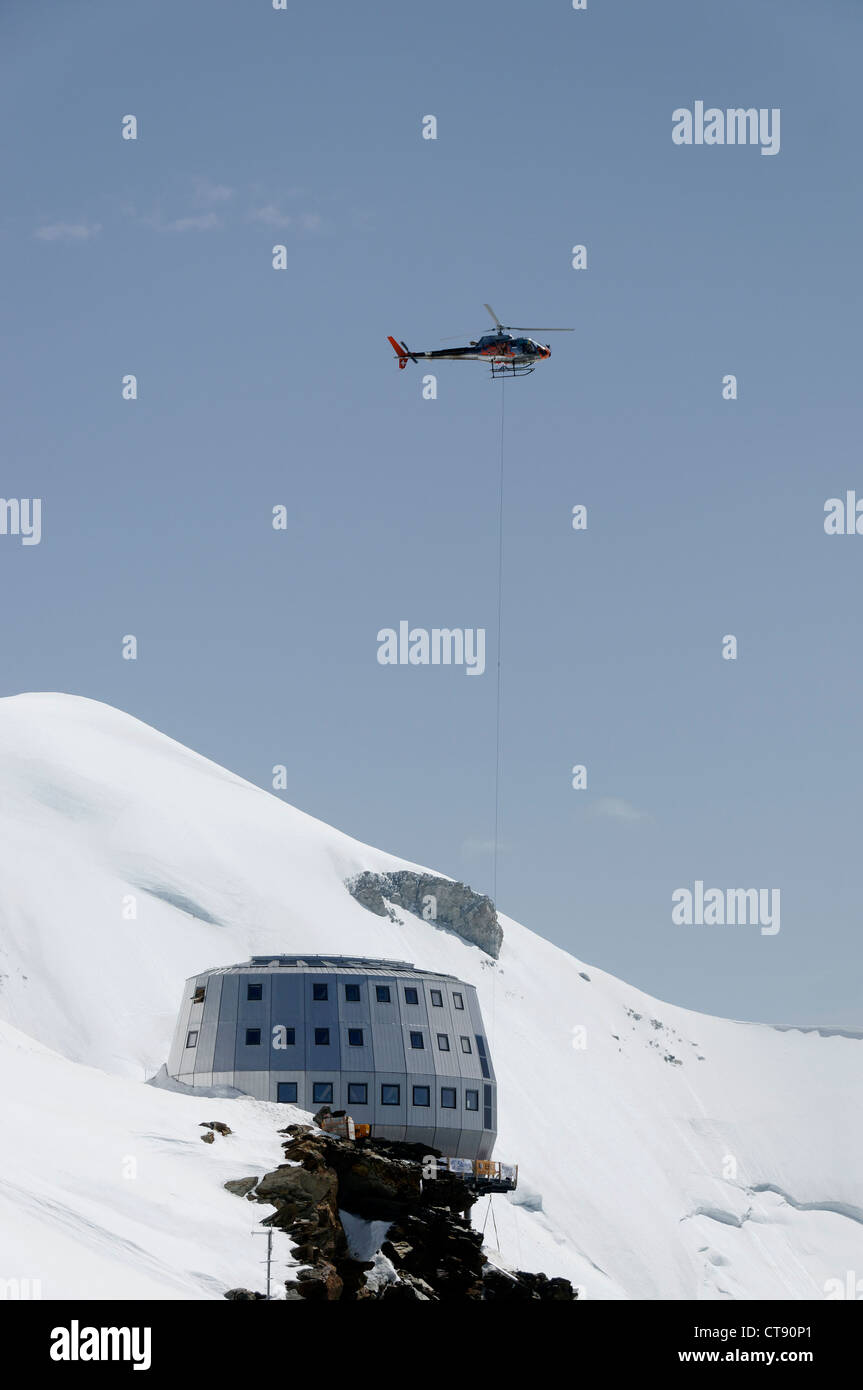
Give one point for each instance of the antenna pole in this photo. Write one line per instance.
(269, 1234)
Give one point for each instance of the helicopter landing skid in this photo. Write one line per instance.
(512, 368)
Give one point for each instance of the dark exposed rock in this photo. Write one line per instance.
(209, 1137)
(435, 1252)
(217, 1126)
(244, 1295)
(241, 1187)
(440, 901)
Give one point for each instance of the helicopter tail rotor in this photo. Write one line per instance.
(402, 351)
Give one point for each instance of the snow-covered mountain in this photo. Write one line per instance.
(662, 1153)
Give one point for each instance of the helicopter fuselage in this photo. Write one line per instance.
(495, 347)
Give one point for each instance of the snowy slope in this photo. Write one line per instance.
(671, 1155)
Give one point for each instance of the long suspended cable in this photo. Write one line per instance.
(499, 629)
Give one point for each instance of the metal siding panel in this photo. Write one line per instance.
(252, 1013)
(226, 1032)
(357, 1015)
(420, 1127)
(209, 1024)
(287, 1008)
(175, 1056)
(448, 1141)
(388, 1045)
(417, 1059)
(357, 1058)
(256, 1083)
(389, 1120)
(486, 1144)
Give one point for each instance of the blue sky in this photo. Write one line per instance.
(259, 388)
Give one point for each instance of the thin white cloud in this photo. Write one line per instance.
(67, 231)
(615, 808)
(202, 222)
(208, 192)
(271, 216)
(474, 848)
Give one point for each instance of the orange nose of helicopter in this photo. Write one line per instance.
(546, 351)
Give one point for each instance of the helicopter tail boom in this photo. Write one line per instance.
(402, 352)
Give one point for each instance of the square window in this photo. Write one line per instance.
(447, 1097)
(287, 1037)
(458, 1001)
(437, 998)
(471, 1100)
(253, 1037)
(422, 1095)
(322, 1093)
(355, 1037)
(383, 993)
(443, 1042)
(192, 1039)
(352, 994)
(286, 1092)
(417, 1040)
(358, 1093)
(199, 995)
(320, 992)
(391, 1095)
(322, 1037)
(411, 995)
(254, 991)
(465, 1045)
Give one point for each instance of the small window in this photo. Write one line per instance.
(254, 991)
(443, 1042)
(322, 1037)
(355, 1037)
(253, 1037)
(352, 994)
(437, 998)
(483, 1059)
(422, 1095)
(447, 1098)
(192, 1039)
(465, 1045)
(290, 1037)
(322, 1093)
(383, 994)
(458, 1001)
(391, 1095)
(320, 992)
(358, 1093)
(411, 995)
(199, 995)
(417, 1040)
(471, 1100)
(286, 1092)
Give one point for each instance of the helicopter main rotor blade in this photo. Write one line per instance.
(494, 318)
(532, 328)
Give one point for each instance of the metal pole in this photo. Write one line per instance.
(269, 1234)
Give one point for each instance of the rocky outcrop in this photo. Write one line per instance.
(440, 901)
(430, 1253)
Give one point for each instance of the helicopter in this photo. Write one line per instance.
(506, 355)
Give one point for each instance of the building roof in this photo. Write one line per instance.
(331, 964)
